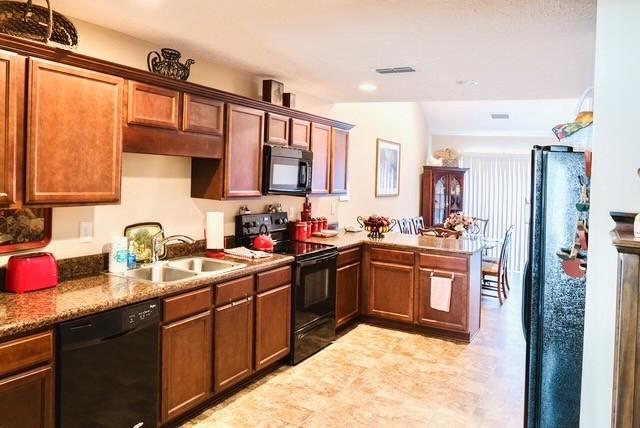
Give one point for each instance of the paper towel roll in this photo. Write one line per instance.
(214, 231)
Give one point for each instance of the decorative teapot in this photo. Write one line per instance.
(168, 64)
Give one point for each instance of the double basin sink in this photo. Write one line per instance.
(180, 269)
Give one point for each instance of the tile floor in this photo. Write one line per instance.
(375, 377)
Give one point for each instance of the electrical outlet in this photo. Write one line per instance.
(86, 231)
(290, 210)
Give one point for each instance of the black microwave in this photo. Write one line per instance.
(286, 171)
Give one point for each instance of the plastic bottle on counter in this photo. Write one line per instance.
(118, 255)
(131, 256)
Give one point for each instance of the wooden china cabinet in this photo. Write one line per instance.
(442, 193)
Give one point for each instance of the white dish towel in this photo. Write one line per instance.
(441, 293)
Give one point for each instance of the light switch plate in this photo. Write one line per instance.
(86, 231)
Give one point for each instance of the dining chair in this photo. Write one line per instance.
(405, 226)
(439, 232)
(495, 274)
(418, 224)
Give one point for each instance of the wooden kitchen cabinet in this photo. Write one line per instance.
(233, 340)
(321, 148)
(276, 129)
(347, 293)
(202, 115)
(186, 364)
(300, 131)
(457, 316)
(150, 105)
(74, 135)
(12, 81)
(273, 325)
(27, 399)
(243, 152)
(391, 291)
(339, 159)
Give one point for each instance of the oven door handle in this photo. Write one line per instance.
(312, 262)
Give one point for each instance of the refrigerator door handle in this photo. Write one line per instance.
(526, 289)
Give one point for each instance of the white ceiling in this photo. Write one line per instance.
(515, 49)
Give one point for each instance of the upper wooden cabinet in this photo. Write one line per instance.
(321, 148)
(12, 79)
(202, 115)
(276, 129)
(442, 193)
(339, 158)
(74, 135)
(152, 106)
(300, 132)
(243, 152)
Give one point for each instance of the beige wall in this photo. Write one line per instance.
(483, 144)
(157, 188)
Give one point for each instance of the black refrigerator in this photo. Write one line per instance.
(554, 287)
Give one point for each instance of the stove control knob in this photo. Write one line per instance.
(278, 221)
(254, 224)
(247, 224)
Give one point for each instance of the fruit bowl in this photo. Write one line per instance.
(376, 225)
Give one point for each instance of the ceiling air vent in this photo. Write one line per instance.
(395, 70)
(500, 116)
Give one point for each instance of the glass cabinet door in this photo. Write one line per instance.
(455, 194)
(440, 210)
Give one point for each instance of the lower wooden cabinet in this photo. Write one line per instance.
(457, 317)
(347, 293)
(186, 364)
(391, 291)
(273, 325)
(233, 326)
(27, 399)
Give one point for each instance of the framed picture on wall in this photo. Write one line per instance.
(387, 168)
(24, 229)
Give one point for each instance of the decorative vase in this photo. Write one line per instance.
(167, 63)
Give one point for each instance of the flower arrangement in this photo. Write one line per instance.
(458, 222)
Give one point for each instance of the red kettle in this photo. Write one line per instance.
(263, 241)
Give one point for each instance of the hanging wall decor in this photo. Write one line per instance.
(167, 63)
(42, 24)
(24, 229)
(387, 168)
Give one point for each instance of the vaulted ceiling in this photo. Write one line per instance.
(514, 49)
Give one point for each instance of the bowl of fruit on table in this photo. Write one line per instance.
(376, 225)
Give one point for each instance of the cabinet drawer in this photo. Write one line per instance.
(186, 304)
(349, 256)
(274, 278)
(234, 290)
(25, 352)
(443, 262)
(152, 106)
(392, 256)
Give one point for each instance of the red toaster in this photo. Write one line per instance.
(31, 272)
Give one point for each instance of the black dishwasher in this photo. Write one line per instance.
(107, 369)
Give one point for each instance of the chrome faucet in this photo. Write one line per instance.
(158, 244)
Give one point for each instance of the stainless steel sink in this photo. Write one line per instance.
(203, 265)
(159, 273)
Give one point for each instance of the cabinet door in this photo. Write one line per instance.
(456, 187)
(26, 399)
(300, 133)
(243, 152)
(391, 291)
(440, 199)
(74, 135)
(149, 105)
(277, 129)
(321, 148)
(11, 130)
(347, 293)
(186, 364)
(457, 316)
(273, 325)
(339, 158)
(233, 344)
(202, 115)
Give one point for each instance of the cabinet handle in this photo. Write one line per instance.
(453, 275)
(239, 302)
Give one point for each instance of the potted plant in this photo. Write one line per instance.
(459, 223)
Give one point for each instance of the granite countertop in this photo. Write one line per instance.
(78, 297)
(401, 241)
